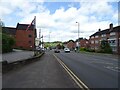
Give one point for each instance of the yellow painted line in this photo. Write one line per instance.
(73, 76)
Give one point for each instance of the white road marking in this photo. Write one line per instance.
(113, 68)
(73, 76)
(102, 62)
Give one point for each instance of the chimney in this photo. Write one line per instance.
(99, 30)
(111, 27)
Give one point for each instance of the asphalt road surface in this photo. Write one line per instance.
(95, 70)
(44, 73)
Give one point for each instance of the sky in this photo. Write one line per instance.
(57, 18)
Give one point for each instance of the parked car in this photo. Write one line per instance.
(66, 50)
(57, 51)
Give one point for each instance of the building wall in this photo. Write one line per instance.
(113, 39)
(119, 43)
(71, 45)
(92, 42)
(84, 43)
(25, 39)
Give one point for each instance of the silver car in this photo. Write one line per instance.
(67, 50)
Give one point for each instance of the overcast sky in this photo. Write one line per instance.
(58, 19)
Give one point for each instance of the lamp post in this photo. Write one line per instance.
(78, 36)
(40, 38)
(49, 36)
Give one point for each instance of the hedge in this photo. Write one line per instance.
(7, 43)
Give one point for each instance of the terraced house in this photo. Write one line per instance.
(111, 35)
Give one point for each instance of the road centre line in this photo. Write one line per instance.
(73, 76)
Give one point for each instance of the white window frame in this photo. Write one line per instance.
(112, 33)
(92, 42)
(103, 35)
(96, 36)
(92, 37)
(96, 41)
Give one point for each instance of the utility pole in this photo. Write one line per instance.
(35, 35)
(42, 41)
(78, 36)
(49, 37)
(39, 37)
(49, 41)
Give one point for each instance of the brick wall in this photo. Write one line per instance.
(25, 39)
(71, 45)
(84, 43)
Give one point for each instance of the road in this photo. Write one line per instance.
(95, 70)
(44, 73)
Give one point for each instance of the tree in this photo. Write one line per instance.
(105, 47)
(7, 43)
(1, 23)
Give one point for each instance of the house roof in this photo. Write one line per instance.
(107, 31)
(24, 27)
(9, 30)
(116, 29)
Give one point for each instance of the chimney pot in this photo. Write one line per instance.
(111, 27)
(99, 30)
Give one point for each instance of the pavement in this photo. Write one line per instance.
(16, 55)
(46, 72)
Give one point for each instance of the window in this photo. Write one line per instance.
(112, 42)
(112, 33)
(86, 41)
(96, 41)
(96, 48)
(30, 42)
(96, 36)
(103, 35)
(92, 42)
(92, 37)
(114, 49)
(30, 35)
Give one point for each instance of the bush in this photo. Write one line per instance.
(86, 49)
(105, 47)
(7, 43)
(82, 49)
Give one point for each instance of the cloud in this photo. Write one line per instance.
(62, 23)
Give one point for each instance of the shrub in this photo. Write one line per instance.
(82, 49)
(105, 47)
(7, 43)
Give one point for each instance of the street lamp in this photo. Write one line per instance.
(78, 36)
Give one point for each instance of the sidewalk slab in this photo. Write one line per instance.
(17, 56)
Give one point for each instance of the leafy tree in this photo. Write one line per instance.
(1, 23)
(105, 47)
(7, 43)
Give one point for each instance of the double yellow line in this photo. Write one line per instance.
(73, 76)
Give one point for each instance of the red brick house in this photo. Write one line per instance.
(25, 39)
(84, 43)
(112, 35)
(70, 44)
